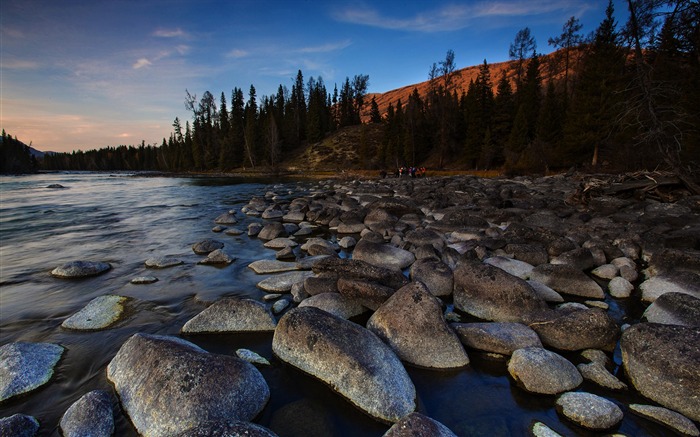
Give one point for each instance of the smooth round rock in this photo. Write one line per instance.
(80, 269)
(590, 328)
(435, 274)
(589, 410)
(541, 371)
(217, 257)
(207, 246)
(231, 314)
(228, 428)
(26, 366)
(515, 267)
(349, 358)
(606, 271)
(282, 283)
(567, 279)
(168, 385)
(336, 304)
(91, 415)
(598, 374)
(383, 255)
(162, 262)
(265, 266)
(227, 218)
(19, 425)
(669, 418)
(501, 338)
(676, 282)
(417, 425)
(99, 313)
(620, 287)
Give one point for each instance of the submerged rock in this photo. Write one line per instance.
(80, 269)
(541, 371)
(91, 415)
(19, 425)
(141, 280)
(162, 262)
(349, 358)
(231, 314)
(417, 425)
(26, 366)
(168, 385)
(589, 410)
(227, 218)
(99, 313)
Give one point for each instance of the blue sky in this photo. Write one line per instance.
(82, 74)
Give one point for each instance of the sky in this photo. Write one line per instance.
(77, 74)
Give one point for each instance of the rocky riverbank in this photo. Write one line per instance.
(425, 272)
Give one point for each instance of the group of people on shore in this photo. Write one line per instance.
(414, 172)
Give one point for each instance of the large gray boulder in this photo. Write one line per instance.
(490, 293)
(91, 415)
(435, 274)
(412, 323)
(228, 428)
(168, 385)
(674, 309)
(231, 314)
(336, 304)
(349, 358)
(80, 269)
(670, 282)
(567, 279)
(383, 255)
(418, 425)
(662, 362)
(368, 294)
(576, 329)
(99, 313)
(589, 410)
(541, 371)
(515, 267)
(19, 425)
(26, 366)
(501, 338)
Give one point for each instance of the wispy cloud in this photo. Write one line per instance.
(169, 33)
(456, 16)
(19, 64)
(142, 62)
(325, 48)
(237, 53)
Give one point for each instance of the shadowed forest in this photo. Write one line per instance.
(623, 97)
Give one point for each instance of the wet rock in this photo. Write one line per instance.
(370, 294)
(417, 424)
(283, 282)
(162, 262)
(227, 218)
(383, 255)
(266, 266)
(273, 212)
(664, 416)
(580, 258)
(435, 274)
(272, 230)
(227, 428)
(207, 246)
(144, 280)
(231, 314)
(294, 216)
(539, 429)
(589, 410)
(541, 371)
(662, 362)
(412, 323)
(254, 229)
(234, 232)
(80, 269)
(26, 366)
(19, 425)
(575, 330)
(99, 313)
(55, 186)
(356, 269)
(280, 306)
(674, 309)
(490, 293)
(331, 247)
(286, 253)
(517, 268)
(197, 386)
(606, 271)
(280, 243)
(597, 373)
(349, 358)
(500, 338)
(217, 257)
(567, 279)
(620, 288)
(672, 282)
(91, 415)
(251, 357)
(336, 304)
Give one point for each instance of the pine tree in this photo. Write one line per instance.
(374, 115)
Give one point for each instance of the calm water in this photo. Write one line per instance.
(125, 220)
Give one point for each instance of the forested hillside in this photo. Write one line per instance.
(15, 156)
(624, 97)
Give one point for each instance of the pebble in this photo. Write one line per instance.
(252, 357)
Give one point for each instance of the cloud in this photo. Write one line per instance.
(124, 135)
(19, 64)
(237, 53)
(325, 48)
(457, 16)
(142, 62)
(169, 33)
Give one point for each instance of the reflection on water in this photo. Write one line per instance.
(124, 220)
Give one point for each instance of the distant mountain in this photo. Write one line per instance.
(38, 154)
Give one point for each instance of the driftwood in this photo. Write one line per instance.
(660, 186)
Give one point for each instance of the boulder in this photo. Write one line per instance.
(231, 314)
(227, 428)
(283, 282)
(347, 242)
(664, 416)
(80, 269)
(91, 415)
(330, 247)
(567, 279)
(579, 258)
(662, 362)
(597, 373)
(162, 262)
(99, 313)
(370, 294)
(533, 254)
(217, 257)
(356, 269)
(207, 246)
(383, 255)
(545, 293)
(168, 385)
(336, 304)
(26, 366)
(19, 425)
(435, 274)
(589, 411)
(272, 230)
(416, 425)
(273, 212)
(420, 237)
(265, 266)
(541, 371)
(517, 268)
(280, 243)
(606, 271)
(412, 323)
(620, 288)
(349, 358)
(490, 293)
(590, 328)
(674, 309)
(678, 282)
(321, 284)
(500, 338)
(227, 218)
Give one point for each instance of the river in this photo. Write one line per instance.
(124, 220)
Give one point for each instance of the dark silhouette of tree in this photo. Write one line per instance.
(520, 50)
(569, 39)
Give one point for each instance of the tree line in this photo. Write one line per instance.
(15, 156)
(625, 95)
